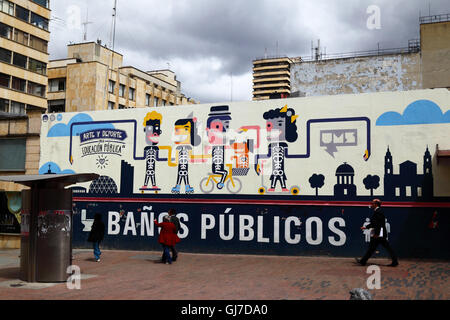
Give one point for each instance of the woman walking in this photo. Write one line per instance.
(167, 237)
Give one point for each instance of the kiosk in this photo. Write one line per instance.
(46, 225)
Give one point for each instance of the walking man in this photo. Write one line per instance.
(96, 235)
(378, 235)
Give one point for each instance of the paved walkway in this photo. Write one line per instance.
(138, 275)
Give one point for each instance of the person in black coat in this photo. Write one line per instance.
(378, 236)
(96, 235)
(174, 219)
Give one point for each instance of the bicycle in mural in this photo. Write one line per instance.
(234, 185)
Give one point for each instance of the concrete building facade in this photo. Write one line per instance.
(93, 78)
(424, 64)
(24, 58)
(435, 51)
(392, 72)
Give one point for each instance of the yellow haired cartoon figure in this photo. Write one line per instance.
(185, 137)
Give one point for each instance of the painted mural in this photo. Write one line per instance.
(273, 161)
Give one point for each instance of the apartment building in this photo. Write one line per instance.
(24, 36)
(270, 76)
(93, 78)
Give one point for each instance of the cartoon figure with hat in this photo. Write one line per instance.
(217, 126)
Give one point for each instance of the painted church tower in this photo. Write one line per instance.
(427, 175)
(389, 189)
(388, 165)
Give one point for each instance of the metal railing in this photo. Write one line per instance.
(271, 57)
(435, 18)
(377, 52)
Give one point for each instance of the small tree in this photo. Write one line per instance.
(317, 181)
(371, 183)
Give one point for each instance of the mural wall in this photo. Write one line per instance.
(258, 167)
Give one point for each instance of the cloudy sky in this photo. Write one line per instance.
(210, 44)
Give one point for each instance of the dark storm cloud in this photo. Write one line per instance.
(206, 40)
(234, 31)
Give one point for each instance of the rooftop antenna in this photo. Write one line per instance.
(318, 53)
(85, 25)
(265, 53)
(113, 26)
(113, 36)
(277, 48)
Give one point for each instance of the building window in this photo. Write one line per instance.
(37, 66)
(5, 55)
(13, 154)
(22, 13)
(155, 101)
(55, 85)
(39, 21)
(5, 31)
(38, 44)
(121, 106)
(131, 93)
(18, 84)
(19, 60)
(4, 105)
(43, 3)
(56, 106)
(17, 108)
(164, 102)
(147, 99)
(21, 37)
(171, 103)
(4, 80)
(111, 105)
(408, 191)
(7, 7)
(36, 89)
(121, 90)
(111, 86)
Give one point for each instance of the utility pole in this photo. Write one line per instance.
(231, 98)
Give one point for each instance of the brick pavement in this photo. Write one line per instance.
(137, 275)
